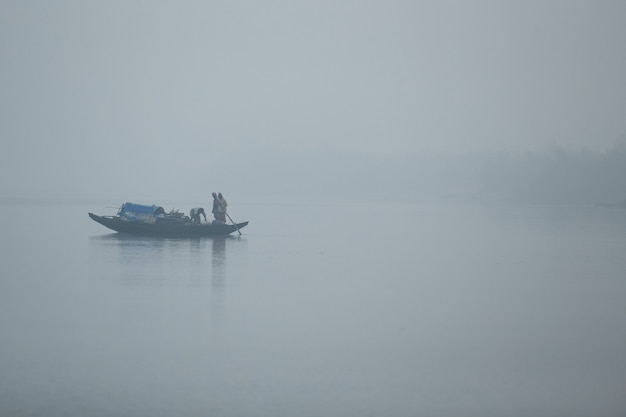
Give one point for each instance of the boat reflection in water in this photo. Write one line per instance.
(218, 262)
(145, 260)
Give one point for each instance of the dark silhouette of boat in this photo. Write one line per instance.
(154, 221)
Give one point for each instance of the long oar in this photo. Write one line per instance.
(231, 220)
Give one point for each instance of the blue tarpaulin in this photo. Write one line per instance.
(140, 212)
(140, 208)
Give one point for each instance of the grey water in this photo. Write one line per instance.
(318, 309)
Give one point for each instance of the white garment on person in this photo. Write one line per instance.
(222, 204)
(196, 212)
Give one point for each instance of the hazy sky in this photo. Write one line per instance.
(91, 86)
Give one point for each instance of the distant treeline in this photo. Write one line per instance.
(558, 176)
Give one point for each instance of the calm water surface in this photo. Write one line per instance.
(317, 310)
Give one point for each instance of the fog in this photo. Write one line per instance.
(158, 99)
(356, 136)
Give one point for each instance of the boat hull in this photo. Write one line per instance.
(167, 227)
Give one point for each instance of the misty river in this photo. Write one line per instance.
(319, 309)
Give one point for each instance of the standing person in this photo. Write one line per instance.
(216, 205)
(221, 206)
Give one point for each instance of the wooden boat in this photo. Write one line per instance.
(153, 221)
